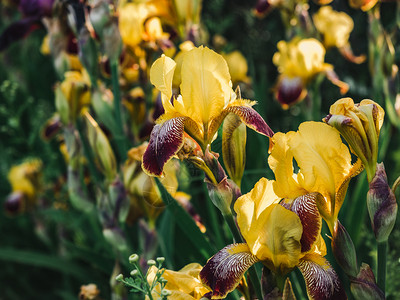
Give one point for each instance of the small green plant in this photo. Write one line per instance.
(150, 284)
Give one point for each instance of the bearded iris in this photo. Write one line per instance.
(206, 98)
(282, 234)
(281, 221)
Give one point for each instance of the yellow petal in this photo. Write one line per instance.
(205, 86)
(161, 74)
(271, 231)
(281, 163)
(323, 159)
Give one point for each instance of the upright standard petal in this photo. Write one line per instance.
(323, 159)
(223, 272)
(322, 282)
(205, 86)
(161, 75)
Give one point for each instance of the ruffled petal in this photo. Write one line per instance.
(281, 163)
(242, 108)
(322, 282)
(223, 272)
(323, 159)
(165, 141)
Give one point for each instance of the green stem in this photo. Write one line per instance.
(382, 253)
(119, 135)
(252, 270)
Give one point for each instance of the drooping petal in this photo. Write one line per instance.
(271, 231)
(306, 208)
(165, 141)
(223, 272)
(243, 109)
(161, 74)
(205, 86)
(322, 282)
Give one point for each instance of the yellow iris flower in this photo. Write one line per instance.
(334, 26)
(183, 284)
(206, 98)
(282, 234)
(324, 166)
(302, 58)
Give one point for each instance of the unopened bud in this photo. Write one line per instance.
(221, 195)
(364, 285)
(99, 16)
(134, 273)
(151, 262)
(160, 260)
(234, 147)
(119, 277)
(289, 91)
(165, 293)
(88, 53)
(133, 258)
(344, 251)
(382, 205)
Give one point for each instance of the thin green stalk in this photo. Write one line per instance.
(119, 136)
(381, 274)
(252, 270)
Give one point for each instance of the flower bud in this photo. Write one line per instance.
(382, 205)
(112, 41)
(234, 147)
(99, 16)
(160, 260)
(119, 277)
(115, 237)
(88, 53)
(289, 91)
(360, 126)
(221, 195)
(101, 147)
(364, 286)
(15, 203)
(134, 273)
(343, 250)
(151, 262)
(133, 258)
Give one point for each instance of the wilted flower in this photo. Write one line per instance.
(183, 284)
(360, 125)
(298, 62)
(206, 99)
(280, 235)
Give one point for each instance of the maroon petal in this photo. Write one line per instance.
(223, 272)
(247, 115)
(165, 141)
(322, 282)
(17, 31)
(306, 208)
